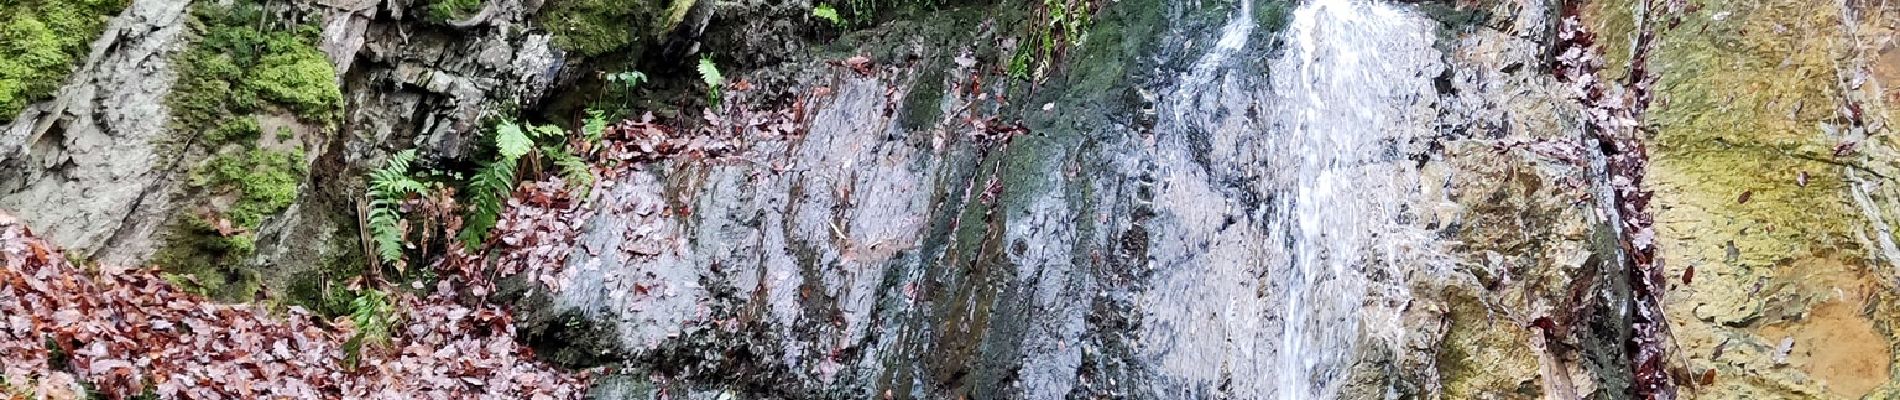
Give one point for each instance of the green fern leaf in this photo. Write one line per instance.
(715, 82)
(388, 187)
(511, 141)
(494, 183)
(573, 169)
(596, 126)
(375, 317)
(548, 131)
(709, 72)
(385, 230)
(825, 12)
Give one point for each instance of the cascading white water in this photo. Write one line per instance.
(1274, 307)
(1350, 78)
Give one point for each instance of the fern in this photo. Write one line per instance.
(511, 141)
(375, 318)
(388, 187)
(709, 73)
(573, 169)
(547, 132)
(825, 12)
(596, 126)
(493, 183)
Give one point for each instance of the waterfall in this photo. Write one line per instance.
(1276, 309)
(1351, 71)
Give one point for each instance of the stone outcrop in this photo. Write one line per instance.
(916, 209)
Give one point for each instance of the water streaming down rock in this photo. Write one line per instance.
(1274, 309)
(1351, 82)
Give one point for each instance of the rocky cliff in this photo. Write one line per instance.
(1004, 199)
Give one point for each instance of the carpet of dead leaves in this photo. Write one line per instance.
(74, 332)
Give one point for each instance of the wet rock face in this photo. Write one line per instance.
(1113, 250)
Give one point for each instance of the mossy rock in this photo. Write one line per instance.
(1748, 192)
(235, 69)
(301, 78)
(596, 27)
(210, 247)
(451, 10)
(199, 259)
(325, 289)
(43, 41)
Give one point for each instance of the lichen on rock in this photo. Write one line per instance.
(1756, 223)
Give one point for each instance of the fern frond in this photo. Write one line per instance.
(715, 81)
(709, 72)
(511, 142)
(388, 187)
(375, 317)
(596, 126)
(385, 226)
(825, 12)
(573, 169)
(547, 131)
(372, 314)
(490, 186)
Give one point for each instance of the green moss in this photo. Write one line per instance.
(264, 181)
(299, 77)
(450, 10)
(1747, 191)
(204, 95)
(261, 183)
(43, 40)
(595, 27)
(1739, 113)
(236, 69)
(236, 130)
(200, 260)
(866, 12)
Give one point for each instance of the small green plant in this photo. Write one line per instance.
(596, 126)
(1063, 24)
(627, 80)
(495, 180)
(573, 168)
(389, 186)
(622, 88)
(825, 12)
(709, 73)
(375, 318)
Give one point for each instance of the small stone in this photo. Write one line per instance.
(1782, 351)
